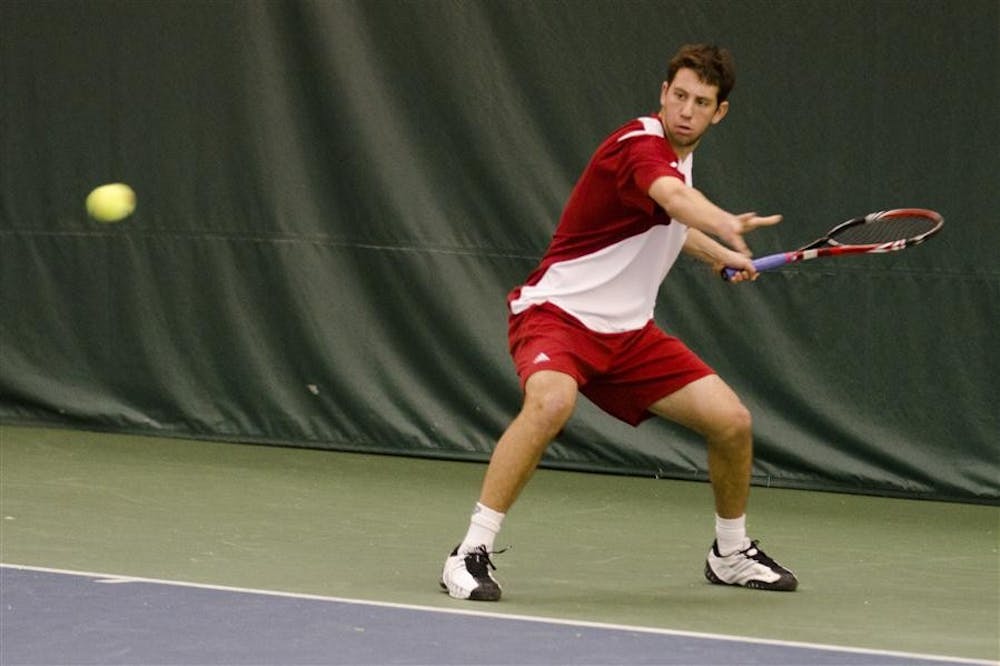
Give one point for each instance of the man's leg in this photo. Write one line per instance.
(549, 399)
(709, 407)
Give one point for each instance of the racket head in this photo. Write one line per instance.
(887, 230)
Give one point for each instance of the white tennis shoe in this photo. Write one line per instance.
(749, 567)
(468, 576)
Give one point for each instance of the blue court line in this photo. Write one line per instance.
(53, 616)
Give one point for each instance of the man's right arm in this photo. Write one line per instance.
(691, 207)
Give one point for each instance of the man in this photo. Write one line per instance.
(583, 323)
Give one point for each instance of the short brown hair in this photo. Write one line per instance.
(712, 64)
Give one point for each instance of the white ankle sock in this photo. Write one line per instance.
(731, 534)
(483, 528)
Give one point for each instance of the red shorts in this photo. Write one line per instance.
(622, 373)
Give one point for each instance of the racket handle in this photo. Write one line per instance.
(765, 263)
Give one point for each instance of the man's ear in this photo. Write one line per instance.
(720, 113)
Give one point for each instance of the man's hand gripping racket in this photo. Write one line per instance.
(875, 233)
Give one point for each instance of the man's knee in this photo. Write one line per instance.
(550, 398)
(554, 407)
(733, 424)
(740, 418)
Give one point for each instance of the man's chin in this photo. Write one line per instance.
(683, 140)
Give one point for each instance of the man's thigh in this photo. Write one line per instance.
(701, 405)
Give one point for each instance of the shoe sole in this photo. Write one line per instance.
(478, 594)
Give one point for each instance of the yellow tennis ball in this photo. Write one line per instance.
(111, 203)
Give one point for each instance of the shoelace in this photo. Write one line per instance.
(759, 555)
(481, 559)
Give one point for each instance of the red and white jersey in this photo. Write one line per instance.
(614, 244)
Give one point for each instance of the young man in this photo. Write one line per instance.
(583, 323)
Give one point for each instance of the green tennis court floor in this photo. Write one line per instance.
(875, 573)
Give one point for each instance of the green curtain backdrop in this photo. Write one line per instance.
(335, 197)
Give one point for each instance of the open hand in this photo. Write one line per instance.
(751, 221)
(737, 225)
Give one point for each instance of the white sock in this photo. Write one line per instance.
(483, 528)
(731, 534)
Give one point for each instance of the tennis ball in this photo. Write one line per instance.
(111, 203)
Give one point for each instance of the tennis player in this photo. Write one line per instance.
(583, 323)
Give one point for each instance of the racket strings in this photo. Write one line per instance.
(885, 230)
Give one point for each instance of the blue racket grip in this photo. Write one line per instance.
(766, 263)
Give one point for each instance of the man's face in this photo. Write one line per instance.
(689, 107)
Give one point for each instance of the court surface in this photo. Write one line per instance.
(145, 550)
(55, 617)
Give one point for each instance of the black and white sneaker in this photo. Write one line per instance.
(468, 576)
(749, 567)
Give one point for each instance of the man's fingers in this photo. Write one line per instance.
(751, 221)
(765, 221)
(736, 242)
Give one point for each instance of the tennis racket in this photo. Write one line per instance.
(875, 233)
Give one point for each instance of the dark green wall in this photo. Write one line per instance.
(334, 199)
